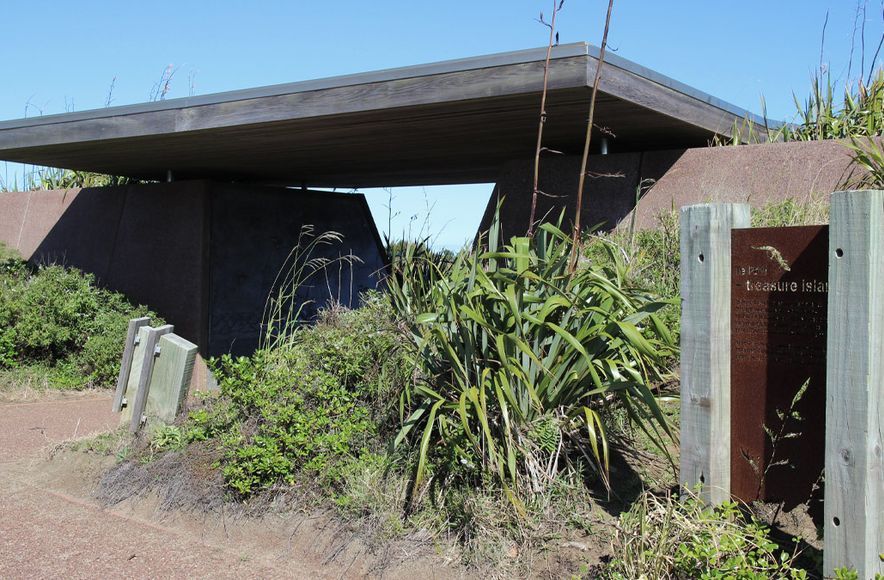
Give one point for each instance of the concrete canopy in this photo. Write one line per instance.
(448, 122)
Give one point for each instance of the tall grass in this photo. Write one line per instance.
(284, 307)
(518, 356)
(683, 538)
(45, 178)
(858, 112)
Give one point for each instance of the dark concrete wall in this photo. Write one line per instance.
(754, 173)
(254, 230)
(145, 241)
(203, 255)
(609, 193)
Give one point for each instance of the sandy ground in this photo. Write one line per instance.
(51, 525)
(48, 532)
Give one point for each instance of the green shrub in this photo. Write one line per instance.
(518, 356)
(308, 405)
(664, 537)
(58, 316)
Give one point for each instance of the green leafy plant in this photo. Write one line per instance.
(859, 114)
(868, 154)
(167, 438)
(306, 406)
(851, 574)
(653, 259)
(59, 317)
(518, 355)
(682, 538)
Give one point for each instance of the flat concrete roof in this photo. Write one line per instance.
(455, 121)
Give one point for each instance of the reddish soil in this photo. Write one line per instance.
(25, 428)
(52, 527)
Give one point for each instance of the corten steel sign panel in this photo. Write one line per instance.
(778, 344)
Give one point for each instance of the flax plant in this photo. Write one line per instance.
(518, 357)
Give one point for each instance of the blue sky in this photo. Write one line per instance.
(60, 56)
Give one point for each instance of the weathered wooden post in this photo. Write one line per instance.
(854, 487)
(139, 376)
(126, 362)
(705, 345)
(170, 379)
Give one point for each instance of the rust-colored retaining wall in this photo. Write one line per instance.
(755, 174)
(750, 173)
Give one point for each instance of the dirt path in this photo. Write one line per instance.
(26, 428)
(52, 527)
(48, 532)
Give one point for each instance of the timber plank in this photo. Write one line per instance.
(705, 346)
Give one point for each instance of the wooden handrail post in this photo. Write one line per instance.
(705, 345)
(854, 477)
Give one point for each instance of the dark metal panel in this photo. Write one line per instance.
(778, 325)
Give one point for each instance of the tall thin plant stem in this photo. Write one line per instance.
(575, 247)
(557, 5)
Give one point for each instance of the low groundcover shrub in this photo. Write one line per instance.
(307, 406)
(59, 318)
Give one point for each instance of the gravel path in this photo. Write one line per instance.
(47, 532)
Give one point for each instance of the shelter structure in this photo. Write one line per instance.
(238, 173)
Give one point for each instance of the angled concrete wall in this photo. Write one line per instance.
(203, 255)
(252, 233)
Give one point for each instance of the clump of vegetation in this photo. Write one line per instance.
(43, 178)
(812, 210)
(868, 154)
(859, 114)
(58, 319)
(652, 258)
(667, 537)
(518, 356)
(303, 408)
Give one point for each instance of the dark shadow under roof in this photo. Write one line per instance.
(449, 122)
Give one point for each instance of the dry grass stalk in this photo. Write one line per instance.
(557, 6)
(586, 142)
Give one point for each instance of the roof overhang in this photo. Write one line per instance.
(448, 122)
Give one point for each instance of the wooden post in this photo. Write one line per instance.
(706, 346)
(126, 363)
(134, 376)
(171, 377)
(854, 493)
(149, 339)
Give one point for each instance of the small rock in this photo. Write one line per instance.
(577, 545)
